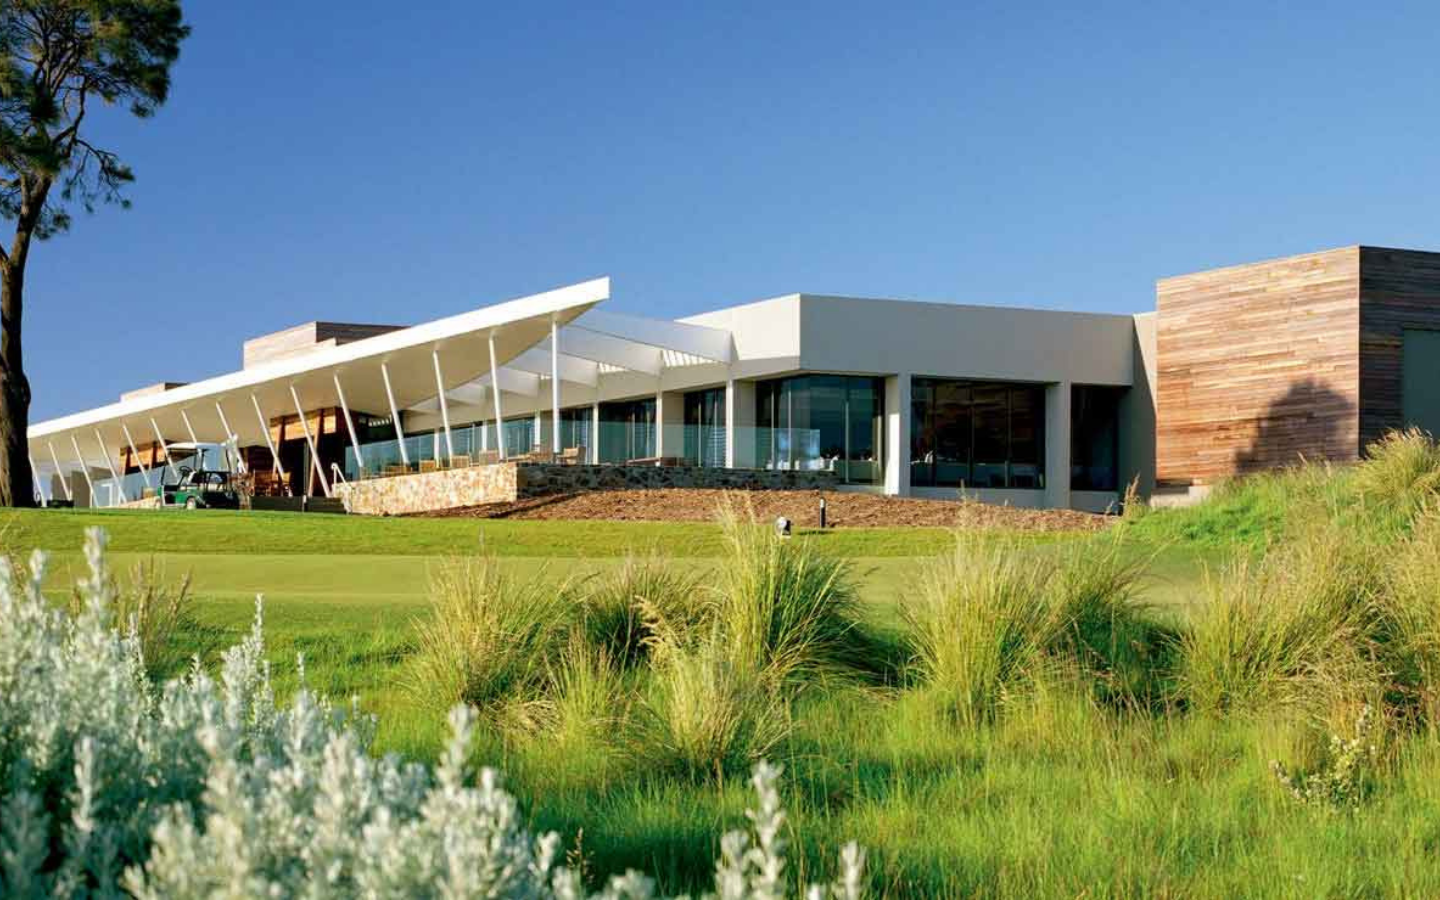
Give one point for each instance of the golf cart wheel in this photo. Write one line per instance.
(191, 503)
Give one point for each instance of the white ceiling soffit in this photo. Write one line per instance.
(512, 381)
(462, 342)
(609, 350)
(572, 368)
(713, 344)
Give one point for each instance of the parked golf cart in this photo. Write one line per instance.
(202, 489)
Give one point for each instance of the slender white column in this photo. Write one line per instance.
(484, 437)
(64, 482)
(84, 469)
(1057, 445)
(230, 436)
(269, 441)
(595, 427)
(35, 482)
(444, 408)
(555, 386)
(310, 439)
(729, 422)
(144, 469)
(395, 416)
(897, 434)
(495, 387)
(190, 430)
(110, 464)
(164, 447)
(350, 427)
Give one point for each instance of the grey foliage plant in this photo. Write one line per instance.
(209, 788)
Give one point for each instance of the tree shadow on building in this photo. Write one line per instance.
(1310, 421)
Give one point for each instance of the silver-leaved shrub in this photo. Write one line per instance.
(201, 788)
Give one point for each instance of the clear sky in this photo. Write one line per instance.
(395, 162)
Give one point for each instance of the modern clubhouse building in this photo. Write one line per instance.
(1236, 370)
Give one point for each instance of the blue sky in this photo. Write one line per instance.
(395, 162)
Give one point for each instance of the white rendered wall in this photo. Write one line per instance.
(846, 334)
(897, 340)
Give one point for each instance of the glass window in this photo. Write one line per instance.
(627, 431)
(865, 427)
(822, 423)
(705, 428)
(976, 434)
(1095, 438)
(575, 426)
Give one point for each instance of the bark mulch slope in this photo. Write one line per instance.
(844, 510)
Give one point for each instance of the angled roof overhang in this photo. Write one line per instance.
(462, 343)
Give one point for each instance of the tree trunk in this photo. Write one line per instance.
(16, 479)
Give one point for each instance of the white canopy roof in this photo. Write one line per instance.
(592, 343)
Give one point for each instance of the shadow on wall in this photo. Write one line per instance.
(1309, 421)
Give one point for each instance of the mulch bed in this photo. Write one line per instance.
(843, 510)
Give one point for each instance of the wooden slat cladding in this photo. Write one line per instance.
(1399, 289)
(1258, 365)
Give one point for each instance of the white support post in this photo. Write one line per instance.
(897, 434)
(1057, 445)
(144, 469)
(64, 482)
(350, 427)
(230, 438)
(310, 439)
(190, 430)
(555, 386)
(35, 482)
(269, 441)
(110, 464)
(444, 407)
(164, 447)
(395, 416)
(495, 387)
(660, 448)
(595, 427)
(84, 469)
(484, 436)
(730, 402)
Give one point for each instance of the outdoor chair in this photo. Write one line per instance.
(429, 465)
(460, 461)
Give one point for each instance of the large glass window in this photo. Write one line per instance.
(575, 427)
(822, 422)
(1095, 438)
(705, 428)
(627, 431)
(976, 434)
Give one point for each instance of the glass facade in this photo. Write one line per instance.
(976, 434)
(822, 422)
(705, 428)
(575, 428)
(627, 430)
(1095, 438)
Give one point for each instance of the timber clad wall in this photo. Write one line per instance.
(307, 338)
(1258, 365)
(1399, 289)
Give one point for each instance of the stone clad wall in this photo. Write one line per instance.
(507, 482)
(426, 491)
